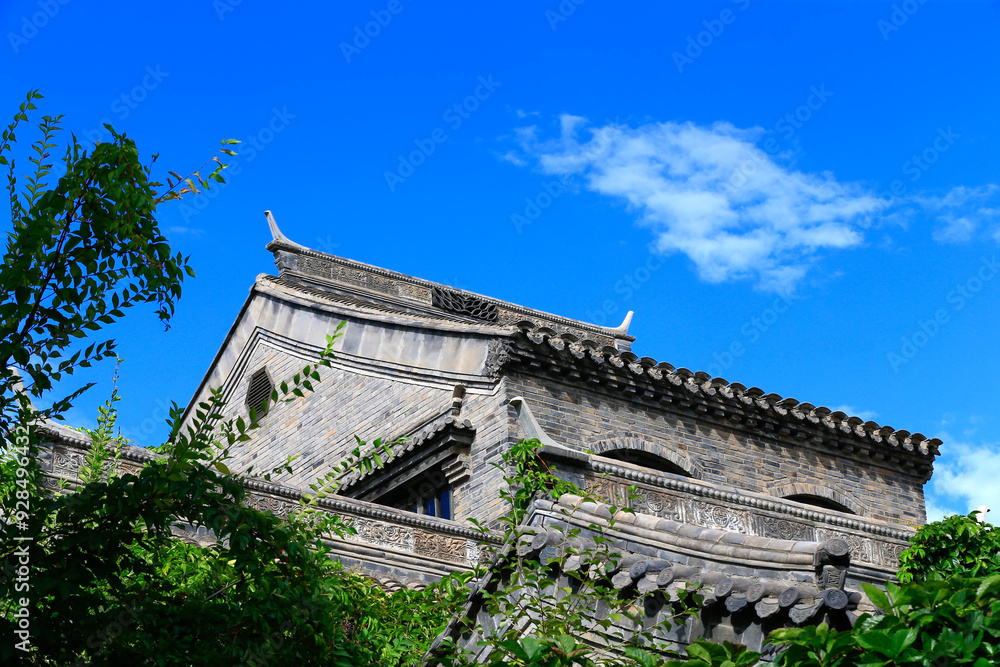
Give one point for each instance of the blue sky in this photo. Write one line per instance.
(799, 196)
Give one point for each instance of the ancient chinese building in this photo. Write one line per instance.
(735, 483)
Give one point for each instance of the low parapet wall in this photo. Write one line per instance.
(390, 545)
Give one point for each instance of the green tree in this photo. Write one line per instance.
(955, 546)
(106, 580)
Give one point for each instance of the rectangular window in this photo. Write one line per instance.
(444, 504)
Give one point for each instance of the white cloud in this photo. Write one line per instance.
(963, 212)
(710, 193)
(965, 477)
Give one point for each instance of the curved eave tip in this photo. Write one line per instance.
(276, 235)
(623, 327)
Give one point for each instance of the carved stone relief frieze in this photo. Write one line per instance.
(783, 529)
(361, 278)
(442, 547)
(642, 500)
(861, 547)
(889, 553)
(277, 506)
(382, 534)
(864, 549)
(129, 468)
(66, 463)
(723, 518)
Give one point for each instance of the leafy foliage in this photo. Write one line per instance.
(555, 614)
(107, 580)
(111, 584)
(79, 253)
(955, 546)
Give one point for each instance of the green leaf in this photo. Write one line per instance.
(877, 596)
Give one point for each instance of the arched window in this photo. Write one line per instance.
(646, 460)
(820, 501)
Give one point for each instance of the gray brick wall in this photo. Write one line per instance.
(578, 417)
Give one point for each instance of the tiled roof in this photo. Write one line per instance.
(541, 349)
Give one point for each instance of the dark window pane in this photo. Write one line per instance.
(445, 504)
(429, 507)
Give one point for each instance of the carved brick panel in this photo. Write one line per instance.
(723, 518)
(441, 547)
(277, 506)
(642, 500)
(66, 463)
(782, 529)
(382, 534)
(361, 278)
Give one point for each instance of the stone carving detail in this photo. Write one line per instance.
(382, 534)
(497, 356)
(862, 549)
(418, 292)
(474, 553)
(505, 316)
(66, 464)
(889, 553)
(783, 529)
(452, 549)
(643, 500)
(463, 304)
(361, 278)
(657, 504)
(723, 518)
(278, 507)
(129, 468)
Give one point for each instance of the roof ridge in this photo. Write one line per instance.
(280, 243)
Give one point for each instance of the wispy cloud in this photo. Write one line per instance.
(735, 211)
(964, 212)
(710, 193)
(185, 231)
